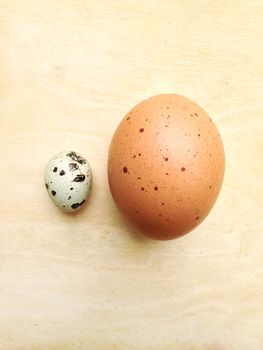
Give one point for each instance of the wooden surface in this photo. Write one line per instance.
(69, 71)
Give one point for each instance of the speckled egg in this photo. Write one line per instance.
(68, 179)
(166, 166)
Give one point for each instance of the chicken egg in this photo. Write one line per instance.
(166, 166)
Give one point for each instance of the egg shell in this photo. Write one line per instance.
(166, 166)
(68, 179)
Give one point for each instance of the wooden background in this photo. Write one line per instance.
(69, 71)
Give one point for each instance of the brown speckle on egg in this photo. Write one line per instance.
(77, 205)
(73, 166)
(79, 178)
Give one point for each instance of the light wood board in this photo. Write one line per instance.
(69, 71)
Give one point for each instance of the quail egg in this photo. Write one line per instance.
(68, 179)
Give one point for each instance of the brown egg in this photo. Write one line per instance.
(166, 166)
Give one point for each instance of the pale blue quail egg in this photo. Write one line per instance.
(68, 179)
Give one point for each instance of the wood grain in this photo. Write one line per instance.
(69, 71)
